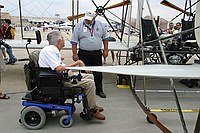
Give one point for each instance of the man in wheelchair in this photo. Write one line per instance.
(50, 57)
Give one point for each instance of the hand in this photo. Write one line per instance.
(62, 58)
(105, 54)
(75, 57)
(80, 63)
(87, 71)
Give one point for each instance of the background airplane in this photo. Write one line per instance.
(66, 26)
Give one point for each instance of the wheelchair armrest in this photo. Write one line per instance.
(48, 72)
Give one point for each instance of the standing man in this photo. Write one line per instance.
(9, 34)
(89, 35)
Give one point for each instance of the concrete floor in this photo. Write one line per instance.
(123, 115)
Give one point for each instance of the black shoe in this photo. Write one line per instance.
(101, 94)
(12, 61)
(9, 63)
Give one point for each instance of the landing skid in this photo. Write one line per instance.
(151, 117)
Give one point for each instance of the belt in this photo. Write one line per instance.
(89, 51)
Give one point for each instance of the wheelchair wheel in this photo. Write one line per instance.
(63, 121)
(33, 117)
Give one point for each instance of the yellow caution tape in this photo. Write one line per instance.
(123, 86)
(175, 110)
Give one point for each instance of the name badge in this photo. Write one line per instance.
(91, 39)
(84, 29)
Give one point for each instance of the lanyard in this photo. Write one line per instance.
(92, 29)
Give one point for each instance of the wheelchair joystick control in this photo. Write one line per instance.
(79, 77)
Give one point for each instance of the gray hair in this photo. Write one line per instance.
(53, 37)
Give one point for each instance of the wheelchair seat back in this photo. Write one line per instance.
(34, 57)
(30, 70)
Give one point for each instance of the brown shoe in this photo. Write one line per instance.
(100, 109)
(97, 115)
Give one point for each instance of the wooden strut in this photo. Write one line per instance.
(147, 111)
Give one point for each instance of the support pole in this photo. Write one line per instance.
(72, 15)
(20, 16)
(77, 9)
(140, 8)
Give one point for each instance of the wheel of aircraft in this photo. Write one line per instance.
(149, 120)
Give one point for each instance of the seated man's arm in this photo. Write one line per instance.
(61, 68)
(76, 63)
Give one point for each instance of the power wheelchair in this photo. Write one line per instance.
(47, 95)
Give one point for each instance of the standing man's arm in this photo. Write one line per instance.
(74, 51)
(105, 42)
(74, 41)
(105, 51)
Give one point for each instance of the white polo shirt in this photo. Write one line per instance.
(50, 56)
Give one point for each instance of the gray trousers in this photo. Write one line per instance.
(87, 82)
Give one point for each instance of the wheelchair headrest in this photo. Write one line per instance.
(34, 57)
(38, 36)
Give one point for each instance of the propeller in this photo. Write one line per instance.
(168, 4)
(76, 16)
(125, 2)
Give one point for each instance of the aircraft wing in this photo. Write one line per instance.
(163, 71)
(115, 46)
(22, 44)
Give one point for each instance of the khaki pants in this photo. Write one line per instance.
(87, 82)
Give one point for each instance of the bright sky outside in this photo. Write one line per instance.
(63, 8)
